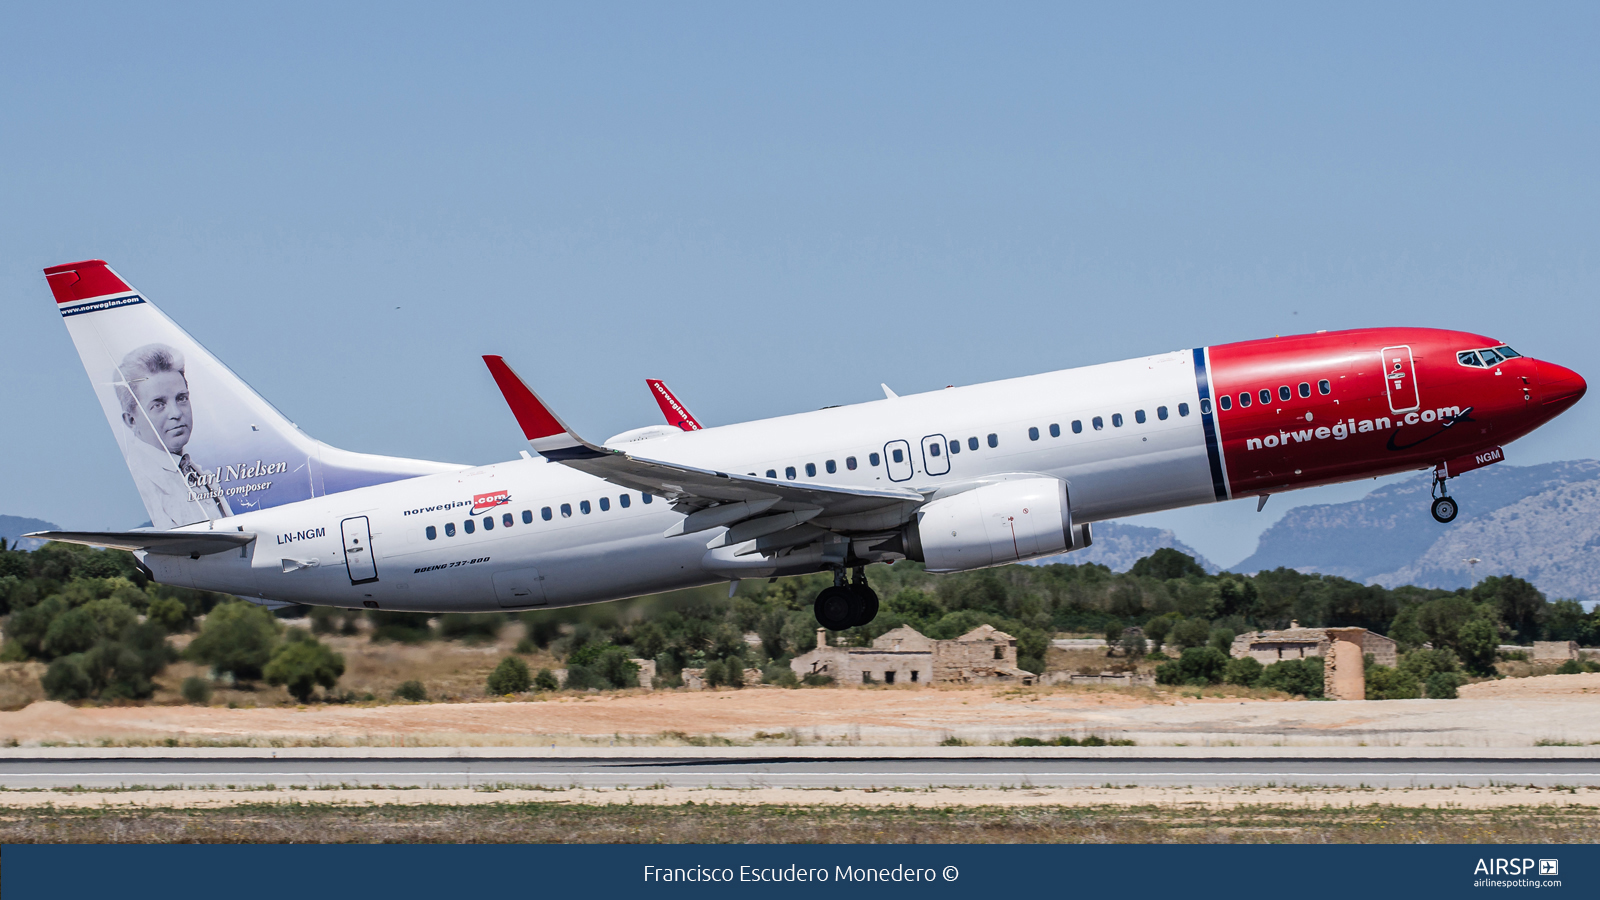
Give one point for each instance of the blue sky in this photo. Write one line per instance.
(774, 207)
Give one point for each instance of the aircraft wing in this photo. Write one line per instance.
(166, 543)
(676, 413)
(691, 489)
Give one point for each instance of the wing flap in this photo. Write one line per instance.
(166, 543)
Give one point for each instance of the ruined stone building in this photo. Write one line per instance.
(1343, 652)
(906, 656)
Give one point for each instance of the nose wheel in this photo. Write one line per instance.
(1444, 506)
(846, 604)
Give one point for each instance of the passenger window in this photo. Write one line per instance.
(811, 470)
(972, 443)
(605, 504)
(1098, 423)
(468, 526)
(431, 532)
(831, 466)
(1323, 387)
(508, 520)
(1183, 409)
(933, 448)
(1468, 358)
(850, 463)
(527, 515)
(566, 510)
(772, 473)
(1284, 393)
(1033, 433)
(626, 500)
(1116, 420)
(1266, 396)
(1077, 426)
(584, 507)
(872, 459)
(788, 472)
(1138, 416)
(1055, 430)
(488, 523)
(1225, 401)
(994, 440)
(1161, 413)
(899, 455)
(1490, 358)
(646, 498)
(955, 447)
(1244, 400)
(1305, 389)
(545, 514)
(449, 529)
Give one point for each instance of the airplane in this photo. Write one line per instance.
(241, 501)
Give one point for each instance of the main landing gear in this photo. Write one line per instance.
(846, 605)
(1444, 506)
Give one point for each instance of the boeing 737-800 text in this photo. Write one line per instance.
(242, 501)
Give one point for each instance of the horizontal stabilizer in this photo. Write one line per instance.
(166, 543)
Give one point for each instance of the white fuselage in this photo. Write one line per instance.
(304, 551)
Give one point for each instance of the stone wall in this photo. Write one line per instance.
(1553, 650)
(1344, 675)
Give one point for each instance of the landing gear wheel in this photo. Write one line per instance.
(836, 607)
(1444, 509)
(864, 602)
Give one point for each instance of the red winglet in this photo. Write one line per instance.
(676, 413)
(535, 419)
(82, 280)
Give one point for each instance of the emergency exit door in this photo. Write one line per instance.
(358, 559)
(1400, 379)
(897, 457)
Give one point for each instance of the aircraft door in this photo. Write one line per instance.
(358, 559)
(519, 588)
(1400, 379)
(935, 461)
(897, 457)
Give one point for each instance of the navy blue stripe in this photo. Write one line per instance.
(578, 452)
(1213, 449)
(98, 305)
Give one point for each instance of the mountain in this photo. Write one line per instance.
(1540, 522)
(1118, 547)
(12, 528)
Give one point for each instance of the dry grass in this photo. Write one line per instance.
(798, 824)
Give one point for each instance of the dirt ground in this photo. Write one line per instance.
(1557, 709)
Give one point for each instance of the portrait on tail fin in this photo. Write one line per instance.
(153, 392)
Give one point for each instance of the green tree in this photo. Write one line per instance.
(1113, 635)
(412, 691)
(1244, 671)
(1167, 563)
(301, 663)
(1197, 666)
(1476, 644)
(1385, 683)
(1133, 644)
(471, 628)
(1221, 639)
(1189, 633)
(1294, 676)
(545, 680)
(196, 690)
(67, 679)
(1442, 685)
(1157, 630)
(170, 613)
(510, 677)
(237, 638)
(1516, 602)
(400, 627)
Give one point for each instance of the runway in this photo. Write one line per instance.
(732, 773)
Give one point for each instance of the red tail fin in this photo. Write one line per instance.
(676, 413)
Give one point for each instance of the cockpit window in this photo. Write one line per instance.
(1468, 358)
(1489, 357)
(1507, 352)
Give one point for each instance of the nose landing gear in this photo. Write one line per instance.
(1444, 506)
(846, 605)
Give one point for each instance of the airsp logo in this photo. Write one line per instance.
(1502, 866)
(1549, 867)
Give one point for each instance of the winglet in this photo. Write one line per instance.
(546, 433)
(676, 413)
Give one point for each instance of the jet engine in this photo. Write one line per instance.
(997, 523)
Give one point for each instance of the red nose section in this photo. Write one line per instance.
(1560, 386)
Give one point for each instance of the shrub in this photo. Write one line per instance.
(1113, 635)
(237, 638)
(542, 628)
(301, 663)
(196, 690)
(472, 628)
(716, 674)
(411, 690)
(1442, 685)
(545, 681)
(1157, 630)
(816, 679)
(400, 627)
(583, 678)
(779, 674)
(67, 679)
(1294, 676)
(170, 613)
(1245, 671)
(1190, 633)
(1221, 640)
(328, 620)
(510, 677)
(1133, 647)
(1384, 683)
(1197, 666)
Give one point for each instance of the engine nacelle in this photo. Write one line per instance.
(995, 524)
